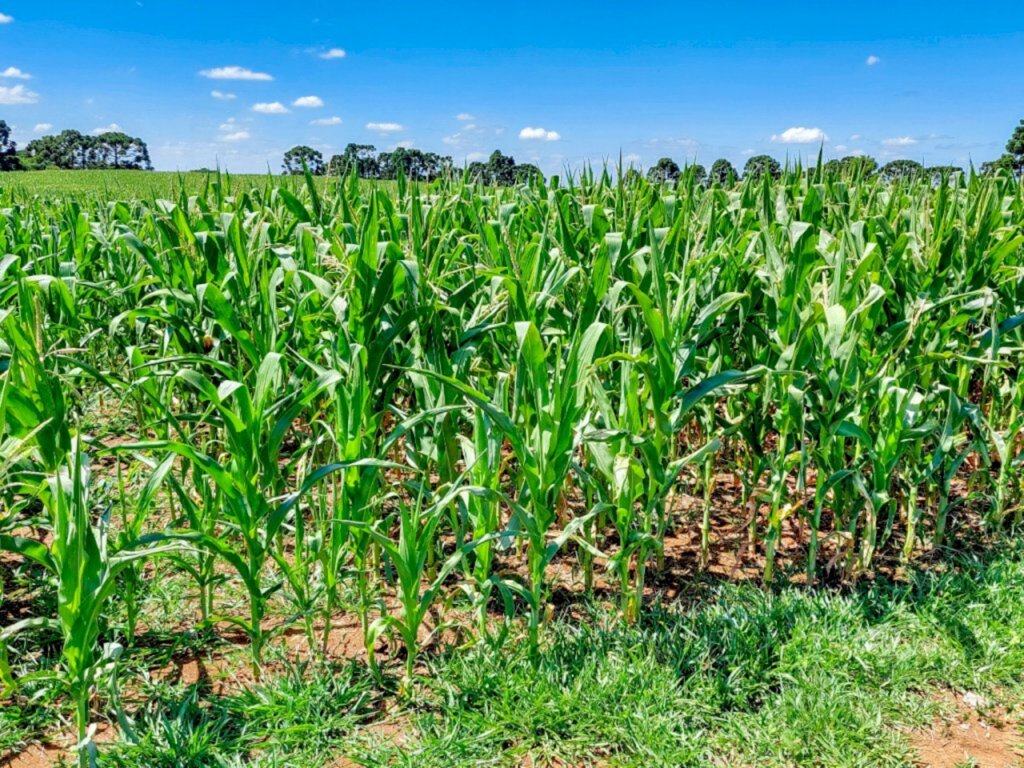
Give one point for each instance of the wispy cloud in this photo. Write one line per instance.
(333, 53)
(223, 96)
(900, 141)
(335, 120)
(872, 60)
(270, 108)
(112, 128)
(42, 127)
(235, 73)
(5, 19)
(538, 134)
(385, 127)
(464, 117)
(230, 130)
(15, 73)
(308, 102)
(17, 94)
(800, 135)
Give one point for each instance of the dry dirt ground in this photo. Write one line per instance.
(973, 734)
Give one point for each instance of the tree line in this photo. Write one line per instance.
(73, 150)
(414, 164)
(722, 171)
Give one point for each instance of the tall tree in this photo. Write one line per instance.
(666, 170)
(527, 173)
(9, 160)
(759, 165)
(902, 169)
(72, 150)
(502, 169)
(723, 172)
(478, 173)
(1006, 163)
(941, 173)
(359, 157)
(115, 149)
(1015, 148)
(297, 158)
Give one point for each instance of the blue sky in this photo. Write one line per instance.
(551, 83)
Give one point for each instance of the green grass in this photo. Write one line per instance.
(143, 185)
(741, 677)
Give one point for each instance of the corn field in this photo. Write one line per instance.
(426, 405)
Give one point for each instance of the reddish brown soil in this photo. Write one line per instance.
(51, 753)
(979, 738)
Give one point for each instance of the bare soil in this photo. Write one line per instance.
(978, 737)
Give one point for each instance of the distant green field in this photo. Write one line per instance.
(135, 184)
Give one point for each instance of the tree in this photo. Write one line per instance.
(501, 168)
(302, 156)
(700, 173)
(414, 164)
(9, 160)
(1015, 148)
(861, 166)
(478, 173)
(115, 149)
(527, 173)
(1004, 163)
(853, 166)
(723, 172)
(72, 150)
(941, 173)
(759, 165)
(897, 170)
(666, 170)
(359, 157)
(60, 151)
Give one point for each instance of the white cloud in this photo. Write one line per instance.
(223, 96)
(632, 158)
(17, 74)
(112, 128)
(405, 145)
(270, 108)
(900, 141)
(464, 117)
(538, 134)
(327, 121)
(841, 147)
(475, 157)
(234, 73)
(333, 53)
(385, 127)
(309, 102)
(17, 94)
(236, 136)
(42, 127)
(5, 19)
(800, 135)
(856, 137)
(872, 60)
